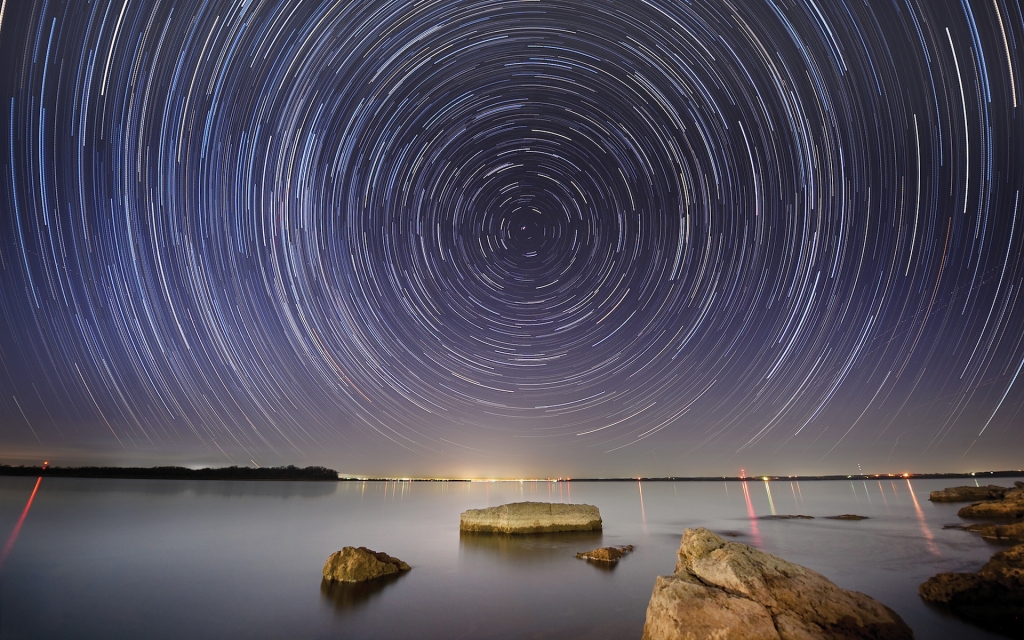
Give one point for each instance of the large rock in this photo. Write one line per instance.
(1010, 507)
(992, 598)
(1013, 531)
(532, 517)
(359, 564)
(968, 494)
(730, 591)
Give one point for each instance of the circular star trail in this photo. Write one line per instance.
(514, 236)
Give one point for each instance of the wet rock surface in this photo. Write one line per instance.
(359, 564)
(968, 494)
(606, 554)
(847, 516)
(796, 517)
(1010, 507)
(730, 591)
(993, 598)
(532, 517)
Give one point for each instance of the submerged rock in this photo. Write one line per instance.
(730, 591)
(532, 517)
(1011, 507)
(847, 516)
(359, 564)
(606, 554)
(796, 517)
(968, 494)
(993, 598)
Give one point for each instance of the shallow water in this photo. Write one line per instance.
(206, 559)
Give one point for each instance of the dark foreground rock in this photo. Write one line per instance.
(359, 564)
(606, 554)
(729, 591)
(968, 494)
(847, 516)
(532, 517)
(993, 598)
(1011, 507)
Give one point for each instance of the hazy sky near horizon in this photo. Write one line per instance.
(507, 238)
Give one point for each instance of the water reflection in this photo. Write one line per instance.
(349, 595)
(536, 548)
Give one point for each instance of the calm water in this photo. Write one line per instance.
(193, 559)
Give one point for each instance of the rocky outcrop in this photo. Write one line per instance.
(532, 517)
(1013, 531)
(1011, 507)
(606, 554)
(847, 516)
(729, 591)
(993, 598)
(968, 494)
(359, 564)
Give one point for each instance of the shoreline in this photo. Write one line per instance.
(323, 474)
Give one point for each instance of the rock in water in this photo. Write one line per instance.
(847, 516)
(532, 517)
(968, 494)
(1013, 531)
(993, 598)
(359, 564)
(729, 591)
(1010, 507)
(605, 554)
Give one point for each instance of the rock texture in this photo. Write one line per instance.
(992, 598)
(796, 517)
(729, 591)
(1013, 531)
(605, 554)
(968, 494)
(847, 516)
(532, 517)
(359, 564)
(1011, 507)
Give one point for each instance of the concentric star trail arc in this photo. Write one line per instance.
(557, 237)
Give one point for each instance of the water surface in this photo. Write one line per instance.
(211, 559)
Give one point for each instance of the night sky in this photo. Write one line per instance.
(500, 238)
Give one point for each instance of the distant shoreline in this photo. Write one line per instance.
(323, 474)
(307, 474)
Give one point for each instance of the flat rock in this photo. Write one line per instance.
(796, 517)
(532, 517)
(359, 564)
(968, 494)
(847, 516)
(993, 598)
(605, 554)
(1013, 531)
(1011, 507)
(730, 591)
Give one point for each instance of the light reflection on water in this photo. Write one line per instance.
(173, 559)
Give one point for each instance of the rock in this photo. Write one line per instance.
(532, 517)
(993, 598)
(847, 516)
(1013, 531)
(730, 591)
(1011, 507)
(359, 564)
(968, 494)
(1018, 484)
(798, 517)
(606, 554)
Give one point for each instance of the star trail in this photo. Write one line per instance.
(500, 237)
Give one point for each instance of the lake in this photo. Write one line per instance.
(209, 559)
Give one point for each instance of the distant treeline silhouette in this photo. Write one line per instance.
(290, 472)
